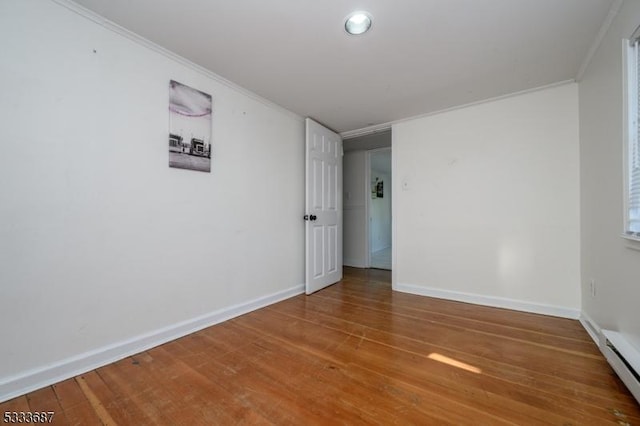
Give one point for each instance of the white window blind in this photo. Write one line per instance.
(633, 138)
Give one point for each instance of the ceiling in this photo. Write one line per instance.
(420, 56)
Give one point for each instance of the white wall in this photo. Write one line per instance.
(606, 257)
(489, 211)
(100, 241)
(354, 210)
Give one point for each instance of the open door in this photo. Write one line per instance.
(323, 209)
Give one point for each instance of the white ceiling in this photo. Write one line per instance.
(421, 56)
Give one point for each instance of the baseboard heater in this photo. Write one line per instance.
(624, 358)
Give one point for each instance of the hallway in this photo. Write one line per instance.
(381, 259)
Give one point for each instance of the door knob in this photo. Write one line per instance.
(313, 217)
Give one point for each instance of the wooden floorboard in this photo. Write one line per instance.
(355, 353)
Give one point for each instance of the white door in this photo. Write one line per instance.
(323, 209)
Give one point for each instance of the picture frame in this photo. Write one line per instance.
(190, 118)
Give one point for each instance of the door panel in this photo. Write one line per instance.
(317, 188)
(323, 207)
(318, 255)
(332, 245)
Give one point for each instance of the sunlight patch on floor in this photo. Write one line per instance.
(452, 362)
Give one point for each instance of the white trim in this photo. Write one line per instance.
(628, 108)
(630, 238)
(592, 328)
(367, 209)
(396, 186)
(630, 125)
(604, 28)
(112, 26)
(37, 378)
(385, 126)
(367, 131)
(494, 301)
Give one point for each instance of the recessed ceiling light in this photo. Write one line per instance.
(357, 23)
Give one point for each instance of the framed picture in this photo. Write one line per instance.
(190, 113)
(380, 189)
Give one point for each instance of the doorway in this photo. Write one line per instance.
(367, 205)
(379, 211)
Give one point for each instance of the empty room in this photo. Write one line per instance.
(293, 212)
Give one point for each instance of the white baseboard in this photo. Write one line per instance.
(28, 381)
(592, 328)
(496, 302)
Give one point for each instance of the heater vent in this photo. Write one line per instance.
(624, 358)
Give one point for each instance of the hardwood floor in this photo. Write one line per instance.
(355, 353)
